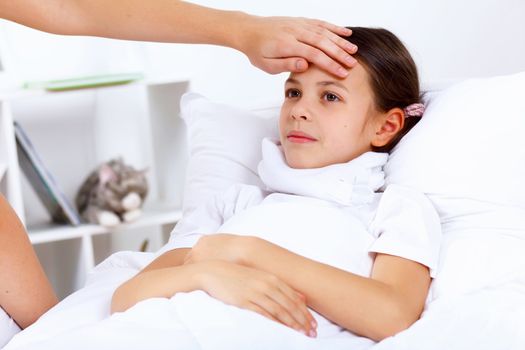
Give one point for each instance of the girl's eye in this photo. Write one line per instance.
(292, 93)
(331, 97)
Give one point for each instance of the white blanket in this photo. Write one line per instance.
(8, 328)
(492, 318)
(186, 321)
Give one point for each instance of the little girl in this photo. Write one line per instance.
(319, 250)
(320, 238)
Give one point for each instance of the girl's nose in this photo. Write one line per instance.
(297, 116)
(300, 112)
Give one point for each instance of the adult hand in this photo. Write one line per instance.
(257, 291)
(278, 44)
(274, 44)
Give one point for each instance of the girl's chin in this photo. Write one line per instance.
(301, 163)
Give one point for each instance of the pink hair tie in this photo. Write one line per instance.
(414, 110)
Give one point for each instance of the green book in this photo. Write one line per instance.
(85, 82)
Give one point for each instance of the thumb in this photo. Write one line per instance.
(299, 65)
(289, 64)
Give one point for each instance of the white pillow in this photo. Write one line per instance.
(468, 155)
(224, 145)
(469, 143)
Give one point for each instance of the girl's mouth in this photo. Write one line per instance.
(300, 137)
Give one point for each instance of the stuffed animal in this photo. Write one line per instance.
(112, 193)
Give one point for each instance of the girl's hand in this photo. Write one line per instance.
(258, 291)
(220, 246)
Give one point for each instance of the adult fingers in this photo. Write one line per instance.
(325, 47)
(321, 59)
(339, 30)
(318, 28)
(344, 47)
(330, 52)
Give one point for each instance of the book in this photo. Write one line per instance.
(42, 181)
(85, 82)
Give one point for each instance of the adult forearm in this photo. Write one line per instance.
(26, 292)
(159, 20)
(365, 306)
(273, 44)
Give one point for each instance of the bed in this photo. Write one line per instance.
(466, 155)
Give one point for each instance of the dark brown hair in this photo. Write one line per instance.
(392, 73)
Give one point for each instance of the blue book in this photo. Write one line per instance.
(44, 184)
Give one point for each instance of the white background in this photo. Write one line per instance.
(449, 39)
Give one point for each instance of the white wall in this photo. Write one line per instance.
(449, 39)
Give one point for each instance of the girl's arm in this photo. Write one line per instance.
(376, 307)
(274, 44)
(26, 292)
(231, 283)
(153, 280)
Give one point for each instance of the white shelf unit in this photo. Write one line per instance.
(75, 131)
(3, 168)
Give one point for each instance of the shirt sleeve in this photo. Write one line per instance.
(208, 218)
(407, 225)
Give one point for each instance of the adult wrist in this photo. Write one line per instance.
(240, 35)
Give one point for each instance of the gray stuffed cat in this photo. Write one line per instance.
(113, 193)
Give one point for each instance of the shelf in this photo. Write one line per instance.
(15, 93)
(75, 131)
(51, 232)
(3, 168)
(86, 82)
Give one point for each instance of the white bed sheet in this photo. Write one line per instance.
(492, 318)
(8, 328)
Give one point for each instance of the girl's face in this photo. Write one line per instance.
(326, 120)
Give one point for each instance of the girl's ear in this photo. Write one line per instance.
(389, 125)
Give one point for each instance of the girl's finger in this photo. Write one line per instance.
(296, 306)
(256, 308)
(277, 311)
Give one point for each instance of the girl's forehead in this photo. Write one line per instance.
(357, 77)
